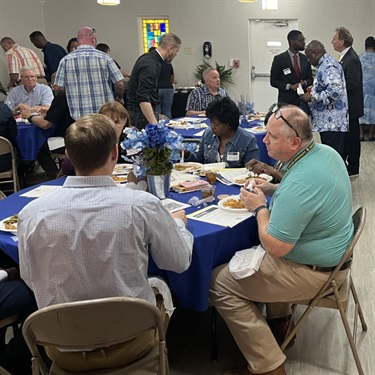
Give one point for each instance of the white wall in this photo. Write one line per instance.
(222, 22)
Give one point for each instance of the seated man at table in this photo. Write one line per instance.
(95, 235)
(30, 94)
(201, 97)
(225, 141)
(304, 233)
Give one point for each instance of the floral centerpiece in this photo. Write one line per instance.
(246, 107)
(154, 149)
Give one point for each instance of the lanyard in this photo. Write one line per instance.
(301, 155)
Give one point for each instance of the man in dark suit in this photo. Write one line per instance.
(290, 69)
(342, 42)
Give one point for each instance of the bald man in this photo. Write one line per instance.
(86, 75)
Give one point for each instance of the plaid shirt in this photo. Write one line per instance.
(17, 57)
(87, 74)
(200, 98)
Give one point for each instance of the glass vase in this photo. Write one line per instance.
(159, 185)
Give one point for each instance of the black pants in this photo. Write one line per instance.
(352, 146)
(137, 118)
(16, 298)
(335, 140)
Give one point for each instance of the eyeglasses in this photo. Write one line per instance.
(277, 112)
(92, 33)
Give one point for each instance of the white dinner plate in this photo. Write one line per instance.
(221, 204)
(2, 226)
(122, 168)
(257, 129)
(246, 177)
(187, 167)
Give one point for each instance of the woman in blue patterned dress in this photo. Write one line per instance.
(368, 68)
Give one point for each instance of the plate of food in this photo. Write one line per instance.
(9, 224)
(180, 124)
(120, 179)
(122, 169)
(232, 203)
(187, 167)
(258, 129)
(242, 179)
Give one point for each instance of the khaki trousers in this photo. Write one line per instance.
(278, 283)
(112, 356)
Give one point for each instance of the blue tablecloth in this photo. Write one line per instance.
(213, 246)
(263, 154)
(30, 139)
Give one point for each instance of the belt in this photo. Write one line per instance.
(132, 108)
(329, 269)
(137, 108)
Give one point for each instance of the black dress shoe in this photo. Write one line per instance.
(362, 139)
(371, 139)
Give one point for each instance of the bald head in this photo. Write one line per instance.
(301, 122)
(87, 35)
(314, 51)
(7, 43)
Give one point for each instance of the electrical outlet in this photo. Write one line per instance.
(187, 51)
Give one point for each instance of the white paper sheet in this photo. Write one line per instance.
(215, 215)
(172, 206)
(40, 191)
(199, 134)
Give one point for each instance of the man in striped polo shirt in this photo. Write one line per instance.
(17, 57)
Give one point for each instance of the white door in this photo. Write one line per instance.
(267, 38)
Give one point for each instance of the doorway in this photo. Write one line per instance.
(267, 38)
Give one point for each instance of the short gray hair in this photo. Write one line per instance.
(206, 71)
(26, 68)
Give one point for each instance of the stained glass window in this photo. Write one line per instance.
(152, 30)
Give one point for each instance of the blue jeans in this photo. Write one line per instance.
(166, 101)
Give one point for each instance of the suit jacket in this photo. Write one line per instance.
(279, 80)
(354, 85)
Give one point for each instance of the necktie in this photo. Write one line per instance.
(296, 65)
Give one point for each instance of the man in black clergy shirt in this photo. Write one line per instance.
(291, 68)
(143, 83)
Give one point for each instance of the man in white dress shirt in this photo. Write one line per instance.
(92, 239)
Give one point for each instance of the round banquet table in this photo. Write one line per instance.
(213, 245)
(191, 133)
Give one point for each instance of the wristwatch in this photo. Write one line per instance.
(255, 212)
(31, 117)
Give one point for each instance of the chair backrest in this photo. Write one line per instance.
(6, 147)
(359, 220)
(93, 324)
(2, 195)
(8, 175)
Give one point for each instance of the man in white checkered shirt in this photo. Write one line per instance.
(86, 75)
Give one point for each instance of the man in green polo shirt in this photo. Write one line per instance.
(304, 233)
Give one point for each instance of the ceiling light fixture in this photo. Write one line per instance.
(270, 4)
(247, 1)
(108, 2)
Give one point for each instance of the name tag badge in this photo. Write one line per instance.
(233, 156)
(287, 71)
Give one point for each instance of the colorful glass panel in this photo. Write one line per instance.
(152, 30)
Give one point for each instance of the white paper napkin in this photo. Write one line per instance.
(245, 262)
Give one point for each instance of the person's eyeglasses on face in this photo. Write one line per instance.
(277, 113)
